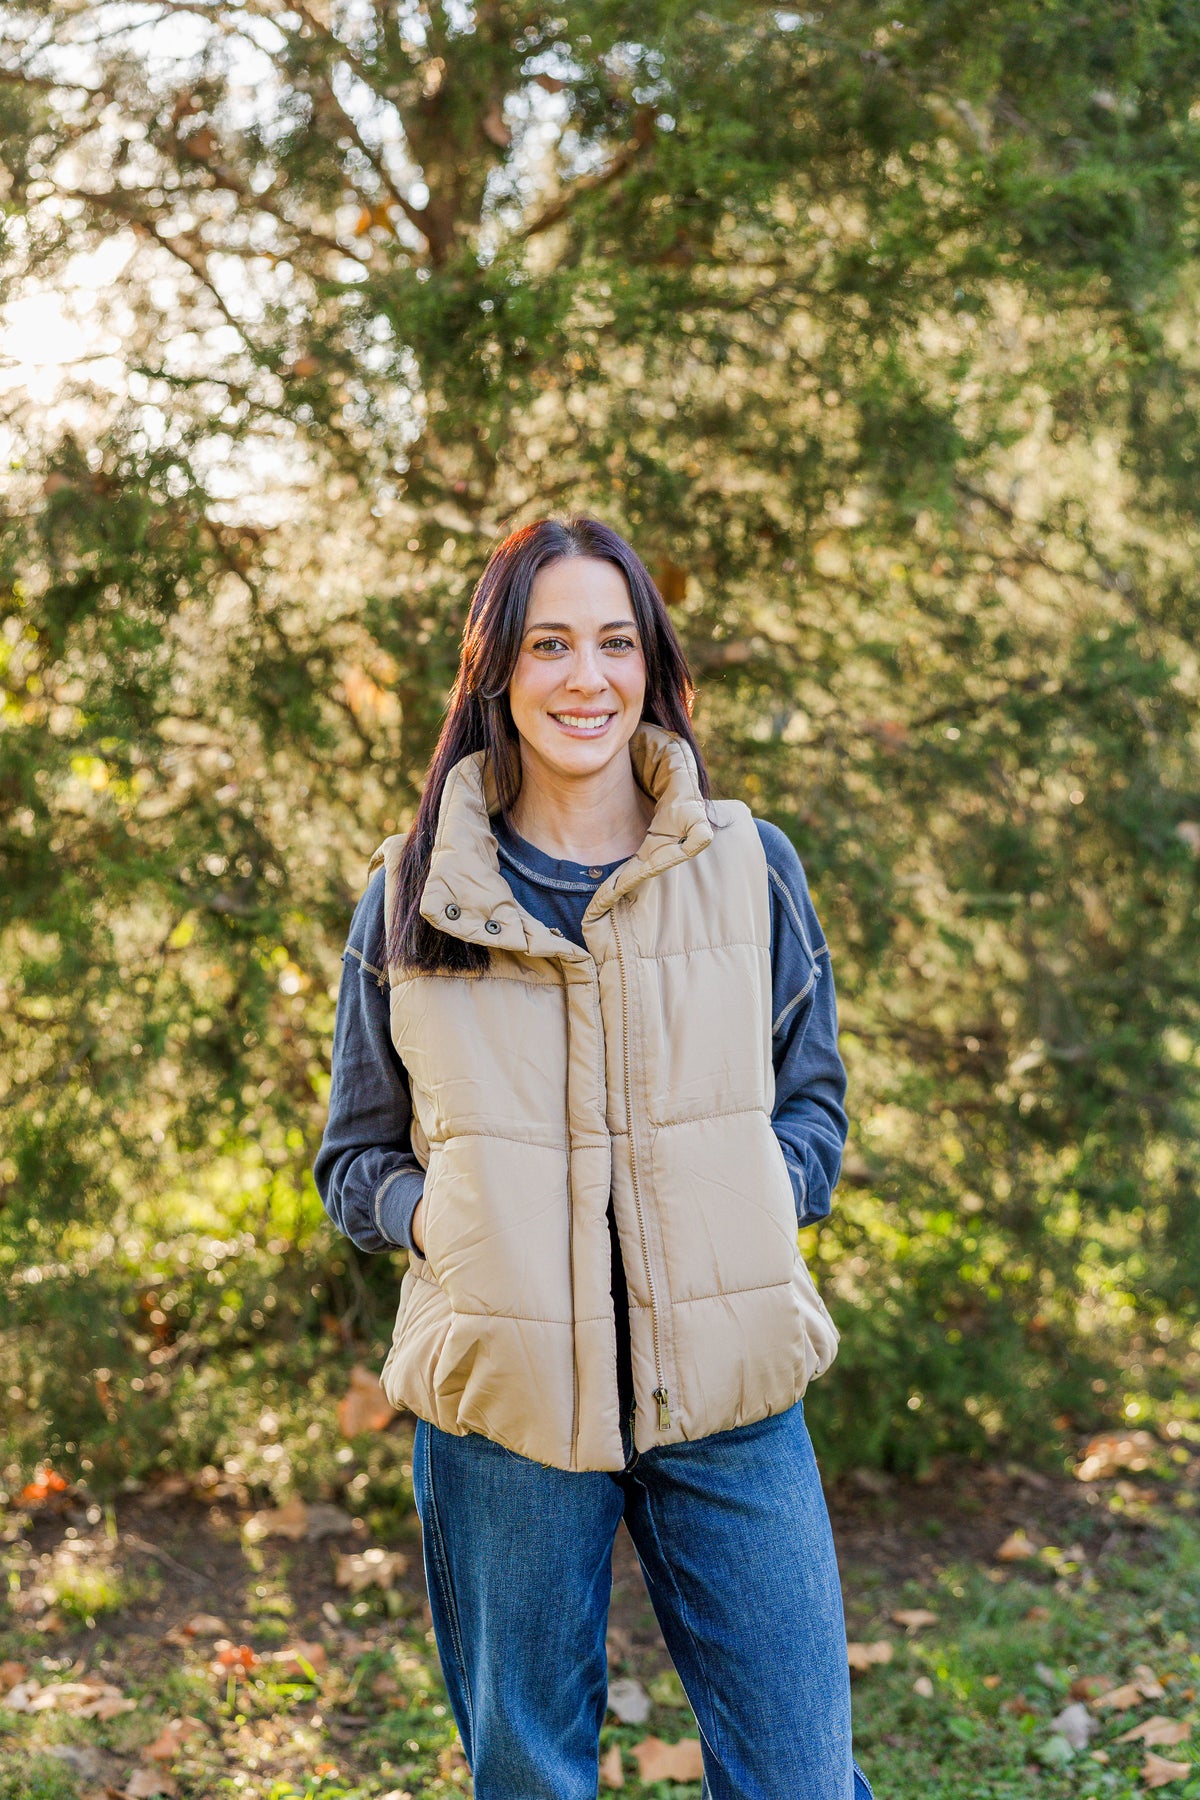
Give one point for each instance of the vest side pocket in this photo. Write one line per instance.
(423, 1320)
(820, 1331)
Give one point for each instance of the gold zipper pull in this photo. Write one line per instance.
(664, 1409)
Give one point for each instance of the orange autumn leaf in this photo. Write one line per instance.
(233, 1659)
(660, 1761)
(44, 1483)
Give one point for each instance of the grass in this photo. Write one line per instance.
(998, 1666)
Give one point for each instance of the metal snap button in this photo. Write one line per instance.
(492, 925)
(452, 911)
(594, 873)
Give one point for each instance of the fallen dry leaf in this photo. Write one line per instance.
(660, 1761)
(92, 1699)
(914, 1617)
(612, 1774)
(370, 1568)
(1152, 1688)
(143, 1784)
(10, 1674)
(200, 1625)
(1121, 1698)
(327, 1521)
(863, 1655)
(923, 1686)
(1015, 1546)
(1086, 1687)
(1158, 1730)
(1156, 1771)
(1112, 1450)
(1037, 1612)
(171, 1738)
(364, 1406)
(289, 1520)
(991, 1681)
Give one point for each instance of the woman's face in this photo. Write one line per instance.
(577, 689)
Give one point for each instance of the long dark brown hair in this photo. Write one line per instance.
(478, 716)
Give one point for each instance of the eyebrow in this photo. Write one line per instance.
(553, 625)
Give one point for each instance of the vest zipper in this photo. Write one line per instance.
(660, 1392)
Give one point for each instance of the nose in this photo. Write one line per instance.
(586, 675)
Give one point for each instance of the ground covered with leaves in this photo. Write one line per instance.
(1011, 1633)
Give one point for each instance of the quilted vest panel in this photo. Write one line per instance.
(639, 1065)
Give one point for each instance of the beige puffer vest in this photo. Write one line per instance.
(642, 1065)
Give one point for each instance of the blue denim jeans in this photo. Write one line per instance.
(735, 1543)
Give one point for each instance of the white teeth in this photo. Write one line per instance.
(592, 724)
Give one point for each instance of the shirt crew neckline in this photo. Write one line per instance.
(536, 863)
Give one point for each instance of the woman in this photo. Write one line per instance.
(585, 1071)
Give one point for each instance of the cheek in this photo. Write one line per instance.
(525, 689)
(631, 682)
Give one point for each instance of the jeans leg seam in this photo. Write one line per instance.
(442, 1566)
(686, 1623)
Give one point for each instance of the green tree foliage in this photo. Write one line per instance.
(873, 327)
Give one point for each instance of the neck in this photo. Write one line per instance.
(586, 819)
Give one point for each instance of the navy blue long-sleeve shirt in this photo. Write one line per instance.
(366, 1171)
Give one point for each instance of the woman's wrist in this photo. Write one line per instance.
(417, 1228)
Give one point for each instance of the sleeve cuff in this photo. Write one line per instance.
(395, 1202)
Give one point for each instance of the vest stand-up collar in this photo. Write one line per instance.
(466, 895)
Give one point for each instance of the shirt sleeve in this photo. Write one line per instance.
(366, 1171)
(809, 1116)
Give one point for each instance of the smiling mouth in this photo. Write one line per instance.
(590, 723)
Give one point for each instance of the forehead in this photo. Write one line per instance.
(580, 590)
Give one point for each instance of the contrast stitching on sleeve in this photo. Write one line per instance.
(793, 1003)
(785, 890)
(793, 1161)
(370, 968)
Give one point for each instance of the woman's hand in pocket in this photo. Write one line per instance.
(418, 1226)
